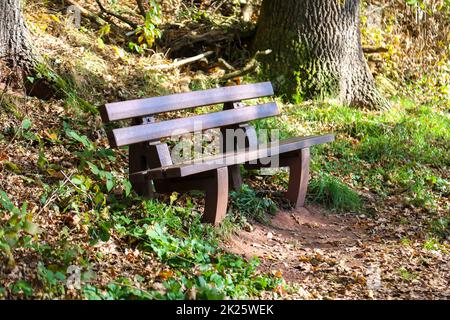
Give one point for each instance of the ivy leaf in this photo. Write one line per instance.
(109, 184)
(22, 286)
(82, 139)
(76, 181)
(31, 228)
(127, 186)
(26, 124)
(93, 168)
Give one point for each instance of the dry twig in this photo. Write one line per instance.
(115, 15)
(141, 8)
(180, 63)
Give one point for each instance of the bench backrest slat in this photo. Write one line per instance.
(143, 107)
(164, 129)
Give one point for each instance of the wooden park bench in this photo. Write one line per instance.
(151, 165)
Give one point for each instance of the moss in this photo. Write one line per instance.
(297, 76)
(315, 80)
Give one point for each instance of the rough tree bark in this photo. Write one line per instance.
(16, 50)
(316, 50)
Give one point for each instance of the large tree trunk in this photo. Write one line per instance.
(15, 45)
(316, 50)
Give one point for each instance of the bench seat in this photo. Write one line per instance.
(234, 158)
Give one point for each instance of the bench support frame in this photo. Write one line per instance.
(216, 199)
(251, 141)
(298, 163)
(143, 156)
(213, 183)
(298, 177)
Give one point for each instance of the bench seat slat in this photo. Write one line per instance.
(148, 106)
(164, 129)
(231, 158)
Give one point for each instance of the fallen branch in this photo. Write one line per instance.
(251, 66)
(180, 63)
(218, 7)
(190, 39)
(374, 49)
(141, 7)
(115, 15)
(95, 18)
(225, 65)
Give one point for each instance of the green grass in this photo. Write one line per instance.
(333, 194)
(247, 203)
(403, 150)
(441, 227)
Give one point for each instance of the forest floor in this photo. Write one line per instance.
(335, 256)
(376, 224)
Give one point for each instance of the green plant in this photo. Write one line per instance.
(24, 131)
(16, 227)
(405, 274)
(122, 288)
(62, 86)
(53, 281)
(21, 287)
(247, 203)
(105, 30)
(61, 254)
(329, 191)
(94, 185)
(190, 249)
(423, 4)
(440, 227)
(96, 160)
(434, 244)
(148, 32)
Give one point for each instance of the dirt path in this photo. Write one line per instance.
(327, 256)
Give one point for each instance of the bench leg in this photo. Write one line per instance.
(138, 161)
(298, 178)
(234, 177)
(143, 187)
(216, 191)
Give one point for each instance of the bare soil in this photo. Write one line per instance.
(330, 256)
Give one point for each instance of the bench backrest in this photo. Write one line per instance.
(157, 130)
(149, 106)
